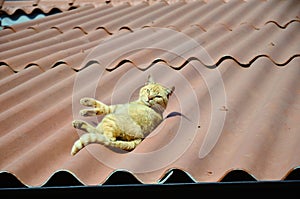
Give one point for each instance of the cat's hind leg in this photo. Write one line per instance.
(118, 127)
(82, 125)
(121, 132)
(92, 136)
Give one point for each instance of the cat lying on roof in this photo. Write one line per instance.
(124, 126)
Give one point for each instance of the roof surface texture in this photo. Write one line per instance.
(234, 65)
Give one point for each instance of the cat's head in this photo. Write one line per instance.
(154, 94)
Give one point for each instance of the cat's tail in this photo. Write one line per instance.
(90, 138)
(86, 139)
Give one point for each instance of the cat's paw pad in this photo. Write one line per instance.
(86, 101)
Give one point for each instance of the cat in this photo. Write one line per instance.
(124, 126)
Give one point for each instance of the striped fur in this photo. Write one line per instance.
(124, 126)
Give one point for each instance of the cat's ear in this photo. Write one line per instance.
(150, 80)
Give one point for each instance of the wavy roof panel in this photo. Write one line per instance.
(234, 65)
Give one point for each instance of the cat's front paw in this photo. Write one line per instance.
(87, 101)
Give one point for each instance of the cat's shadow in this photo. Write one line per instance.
(174, 114)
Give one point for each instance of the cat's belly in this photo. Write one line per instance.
(142, 115)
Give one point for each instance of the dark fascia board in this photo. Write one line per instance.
(252, 188)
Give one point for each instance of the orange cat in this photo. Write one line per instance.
(124, 126)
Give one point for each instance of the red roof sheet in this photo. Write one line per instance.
(234, 65)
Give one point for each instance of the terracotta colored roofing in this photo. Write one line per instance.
(234, 65)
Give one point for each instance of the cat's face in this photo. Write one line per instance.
(153, 94)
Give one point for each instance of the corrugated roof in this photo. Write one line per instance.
(234, 65)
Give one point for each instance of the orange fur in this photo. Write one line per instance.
(124, 126)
